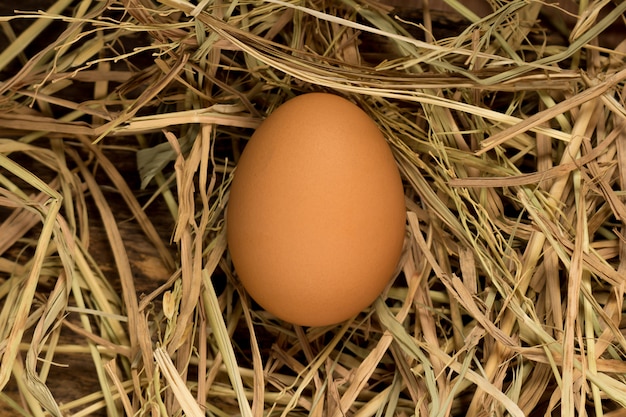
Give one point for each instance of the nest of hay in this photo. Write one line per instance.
(121, 125)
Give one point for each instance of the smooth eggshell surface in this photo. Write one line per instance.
(316, 213)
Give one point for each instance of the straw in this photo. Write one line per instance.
(119, 139)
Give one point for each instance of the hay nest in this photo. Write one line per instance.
(509, 133)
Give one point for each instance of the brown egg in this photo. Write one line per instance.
(316, 214)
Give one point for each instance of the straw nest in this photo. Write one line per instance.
(509, 135)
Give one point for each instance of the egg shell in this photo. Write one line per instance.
(316, 213)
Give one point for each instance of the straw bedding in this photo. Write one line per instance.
(119, 136)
